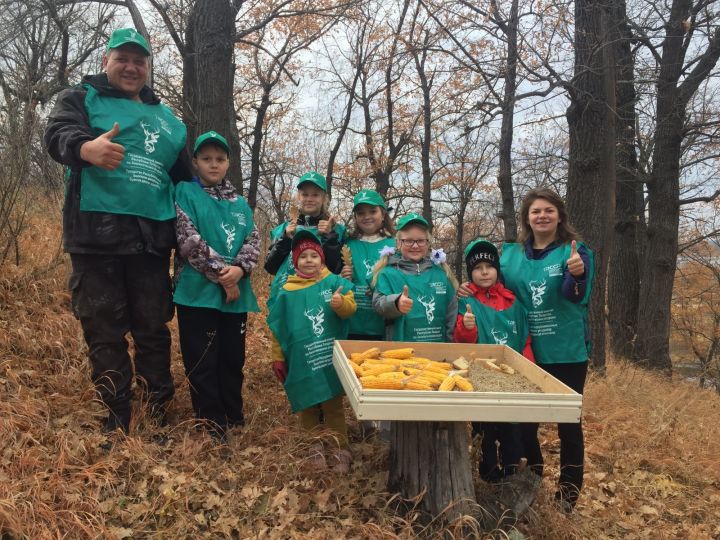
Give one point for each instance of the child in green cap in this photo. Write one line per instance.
(310, 211)
(372, 232)
(218, 248)
(414, 288)
(310, 312)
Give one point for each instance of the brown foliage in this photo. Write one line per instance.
(653, 462)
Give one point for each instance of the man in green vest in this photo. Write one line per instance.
(124, 152)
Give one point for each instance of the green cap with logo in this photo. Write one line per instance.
(368, 196)
(480, 244)
(313, 178)
(410, 219)
(302, 233)
(211, 137)
(125, 36)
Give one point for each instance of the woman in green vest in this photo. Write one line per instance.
(310, 312)
(551, 273)
(218, 247)
(372, 233)
(414, 288)
(311, 212)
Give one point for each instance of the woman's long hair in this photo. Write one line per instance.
(565, 231)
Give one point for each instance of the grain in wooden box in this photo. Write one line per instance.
(556, 403)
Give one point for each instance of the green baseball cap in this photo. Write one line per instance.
(480, 244)
(303, 233)
(411, 218)
(368, 196)
(314, 178)
(124, 36)
(211, 137)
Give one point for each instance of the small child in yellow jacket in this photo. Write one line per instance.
(310, 312)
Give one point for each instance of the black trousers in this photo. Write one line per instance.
(213, 349)
(499, 462)
(111, 296)
(572, 446)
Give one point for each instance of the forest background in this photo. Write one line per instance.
(451, 108)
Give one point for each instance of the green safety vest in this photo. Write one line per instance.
(557, 325)
(430, 292)
(306, 326)
(364, 256)
(224, 225)
(286, 268)
(507, 327)
(141, 185)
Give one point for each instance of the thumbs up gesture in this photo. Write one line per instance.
(404, 302)
(574, 263)
(469, 318)
(337, 299)
(325, 226)
(102, 151)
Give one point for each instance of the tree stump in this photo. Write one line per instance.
(432, 457)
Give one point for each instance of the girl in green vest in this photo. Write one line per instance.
(492, 315)
(414, 288)
(551, 273)
(311, 311)
(310, 211)
(373, 231)
(218, 247)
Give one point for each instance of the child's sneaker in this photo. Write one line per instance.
(340, 460)
(316, 457)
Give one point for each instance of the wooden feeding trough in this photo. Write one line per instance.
(429, 436)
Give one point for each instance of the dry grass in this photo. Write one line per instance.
(653, 458)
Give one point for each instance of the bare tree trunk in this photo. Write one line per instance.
(257, 137)
(208, 77)
(506, 130)
(626, 254)
(652, 346)
(432, 457)
(591, 172)
(425, 139)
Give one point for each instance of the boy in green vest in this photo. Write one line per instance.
(311, 311)
(491, 315)
(218, 247)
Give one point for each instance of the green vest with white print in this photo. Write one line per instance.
(141, 185)
(430, 292)
(224, 225)
(364, 257)
(557, 325)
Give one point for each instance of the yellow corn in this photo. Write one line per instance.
(412, 385)
(360, 357)
(448, 384)
(440, 365)
(399, 375)
(346, 255)
(433, 369)
(377, 370)
(355, 368)
(463, 384)
(398, 353)
(380, 384)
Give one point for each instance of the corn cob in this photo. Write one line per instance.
(463, 384)
(355, 368)
(441, 365)
(346, 255)
(399, 375)
(381, 384)
(440, 371)
(294, 212)
(377, 370)
(412, 385)
(360, 357)
(447, 385)
(398, 353)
